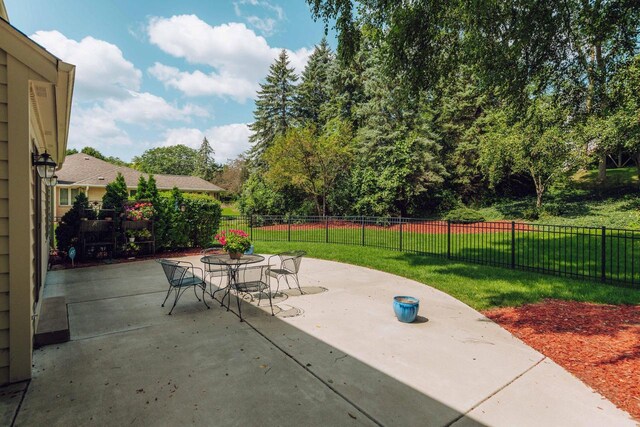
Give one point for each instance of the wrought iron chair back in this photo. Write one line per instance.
(289, 266)
(254, 279)
(181, 275)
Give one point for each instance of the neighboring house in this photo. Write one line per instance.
(35, 102)
(84, 173)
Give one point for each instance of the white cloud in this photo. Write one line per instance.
(198, 83)
(100, 124)
(240, 58)
(148, 108)
(101, 69)
(228, 141)
(265, 24)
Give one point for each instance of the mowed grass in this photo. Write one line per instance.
(480, 286)
(573, 252)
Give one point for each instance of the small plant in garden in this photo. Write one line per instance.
(234, 241)
(464, 216)
(139, 211)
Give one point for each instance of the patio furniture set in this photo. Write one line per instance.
(240, 275)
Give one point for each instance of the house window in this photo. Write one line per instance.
(68, 196)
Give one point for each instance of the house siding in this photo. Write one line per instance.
(4, 222)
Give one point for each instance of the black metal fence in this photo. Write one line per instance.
(597, 253)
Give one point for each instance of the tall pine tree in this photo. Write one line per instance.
(314, 91)
(274, 107)
(205, 165)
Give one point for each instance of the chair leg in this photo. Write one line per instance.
(295, 276)
(204, 288)
(165, 298)
(178, 295)
(195, 292)
(269, 295)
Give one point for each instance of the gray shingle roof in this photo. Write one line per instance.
(82, 169)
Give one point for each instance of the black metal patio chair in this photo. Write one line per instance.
(181, 276)
(288, 266)
(250, 280)
(214, 271)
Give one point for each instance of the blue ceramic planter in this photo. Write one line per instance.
(406, 308)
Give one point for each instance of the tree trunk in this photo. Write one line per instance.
(602, 168)
(538, 198)
(637, 161)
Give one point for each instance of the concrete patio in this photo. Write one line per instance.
(342, 360)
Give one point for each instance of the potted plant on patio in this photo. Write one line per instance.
(235, 242)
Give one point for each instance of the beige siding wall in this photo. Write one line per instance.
(4, 223)
(95, 194)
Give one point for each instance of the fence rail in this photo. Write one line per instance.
(598, 253)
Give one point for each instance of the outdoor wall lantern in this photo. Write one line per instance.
(51, 182)
(46, 168)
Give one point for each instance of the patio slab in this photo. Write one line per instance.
(344, 361)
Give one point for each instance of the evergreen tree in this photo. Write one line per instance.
(399, 155)
(142, 192)
(116, 195)
(274, 107)
(458, 106)
(205, 165)
(314, 90)
(152, 188)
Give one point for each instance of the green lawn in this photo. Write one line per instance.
(479, 286)
(573, 252)
(228, 210)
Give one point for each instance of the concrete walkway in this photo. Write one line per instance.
(342, 360)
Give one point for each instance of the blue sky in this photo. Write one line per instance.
(155, 73)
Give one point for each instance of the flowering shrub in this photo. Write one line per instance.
(234, 240)
(139, 211)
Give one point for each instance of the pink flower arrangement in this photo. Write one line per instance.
(234, 240)
(139, 211)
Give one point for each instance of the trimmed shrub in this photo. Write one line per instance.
(464, 216)
(192, 220)
(68, 229)
(531, 214)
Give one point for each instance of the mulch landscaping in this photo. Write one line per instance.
(420, 227)
(600, 344)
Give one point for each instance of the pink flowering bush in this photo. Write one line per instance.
(234, 240)
(139, 211)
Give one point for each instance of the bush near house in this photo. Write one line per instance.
(192, 219)
(68, 229)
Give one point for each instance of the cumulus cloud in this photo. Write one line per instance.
(239, 57)
(228, 141)
(107, 93)
(101, 69)
(198, 83)
(272, 14)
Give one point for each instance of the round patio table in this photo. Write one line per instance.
(232, 266)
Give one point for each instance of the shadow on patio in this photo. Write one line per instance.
(344, 361)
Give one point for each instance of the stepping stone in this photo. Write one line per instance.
(53, 324)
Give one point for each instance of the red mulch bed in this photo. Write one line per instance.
(422, 227)
(600, 344)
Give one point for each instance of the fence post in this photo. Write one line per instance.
(401, 234)
(326, 229)
(288, 228)
(251, 226)
(448, 238)
(513, 244)
(603, 261)
(362, 231)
